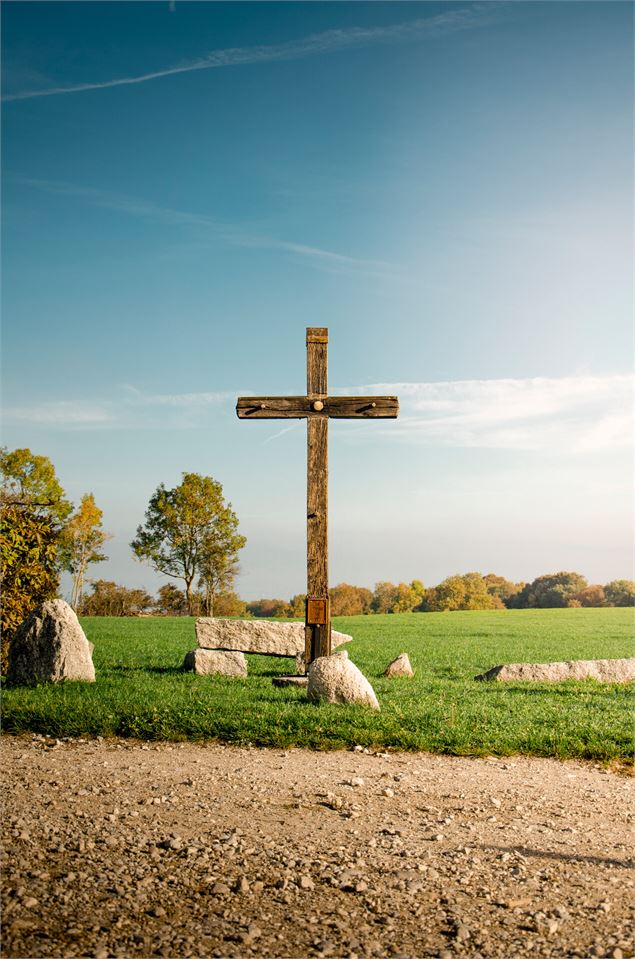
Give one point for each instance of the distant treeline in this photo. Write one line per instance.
(460, 592)
(467, 591)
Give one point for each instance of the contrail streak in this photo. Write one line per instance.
(327, 42)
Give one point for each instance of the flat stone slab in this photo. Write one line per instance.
(604, 670)
(256, 636)
(215, 662)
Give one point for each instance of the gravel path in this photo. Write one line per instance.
(117, 848)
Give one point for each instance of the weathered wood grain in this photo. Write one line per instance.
(318, 637)
(301, 407)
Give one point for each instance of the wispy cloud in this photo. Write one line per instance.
(575, 414)
(566, 415)
(234, 235)
(179, 401)
(329, 41)
(129, 408)
(64, 413)
(286, 429)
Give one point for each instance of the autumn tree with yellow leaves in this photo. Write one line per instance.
(81, 544)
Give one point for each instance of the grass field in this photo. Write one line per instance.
(141, 692)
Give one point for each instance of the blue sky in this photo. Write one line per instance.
(446, 186)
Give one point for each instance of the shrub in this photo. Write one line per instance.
(28, 550)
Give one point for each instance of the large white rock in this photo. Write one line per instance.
(50, 647)
(215, 662)
(335, 679)
(400, 666)
(256, 636)
(604, 670)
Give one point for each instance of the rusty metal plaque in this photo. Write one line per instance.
(316, 612)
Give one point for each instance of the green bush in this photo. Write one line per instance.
(28, 550)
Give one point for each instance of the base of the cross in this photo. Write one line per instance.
(317, 628)
(301, 681)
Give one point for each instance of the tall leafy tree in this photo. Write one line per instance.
(551, 591)
(29, 479)
(461, 592)
(503, 588)
(190, 531)
(82, 541)
(620, 592)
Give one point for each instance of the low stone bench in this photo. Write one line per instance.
(265, 637)
(604, 670)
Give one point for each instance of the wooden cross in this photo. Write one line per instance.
(317, 407)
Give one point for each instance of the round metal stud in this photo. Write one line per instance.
(318, 405)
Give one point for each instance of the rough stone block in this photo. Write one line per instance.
(50, 647)
(335, 679)
(256, 636)
(215, 662)
(400, 666)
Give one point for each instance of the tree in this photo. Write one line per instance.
(347, 600)
(553, 590)
(503, 588)
(420, 591)
(406, 599)
(265, 608)
(383, 597)
(171, 600)
(111, 599)
(31, 479)
(190, 531)
(219, 563)
(447, 596)
(230, 604)
(297, 606)
(461, 592)
(591, 596)
(81, 544)
(620, 592)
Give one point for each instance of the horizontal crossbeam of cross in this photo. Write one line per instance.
(301, 407)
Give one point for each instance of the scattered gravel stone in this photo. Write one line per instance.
(220, 889)
(233, 852)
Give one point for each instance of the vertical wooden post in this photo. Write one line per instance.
(318, 620)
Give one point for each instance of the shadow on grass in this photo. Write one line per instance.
(562, 856)
(123, 668)
(596, 689)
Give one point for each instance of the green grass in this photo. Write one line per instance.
(141, 692)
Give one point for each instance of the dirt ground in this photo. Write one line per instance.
(118, 848)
